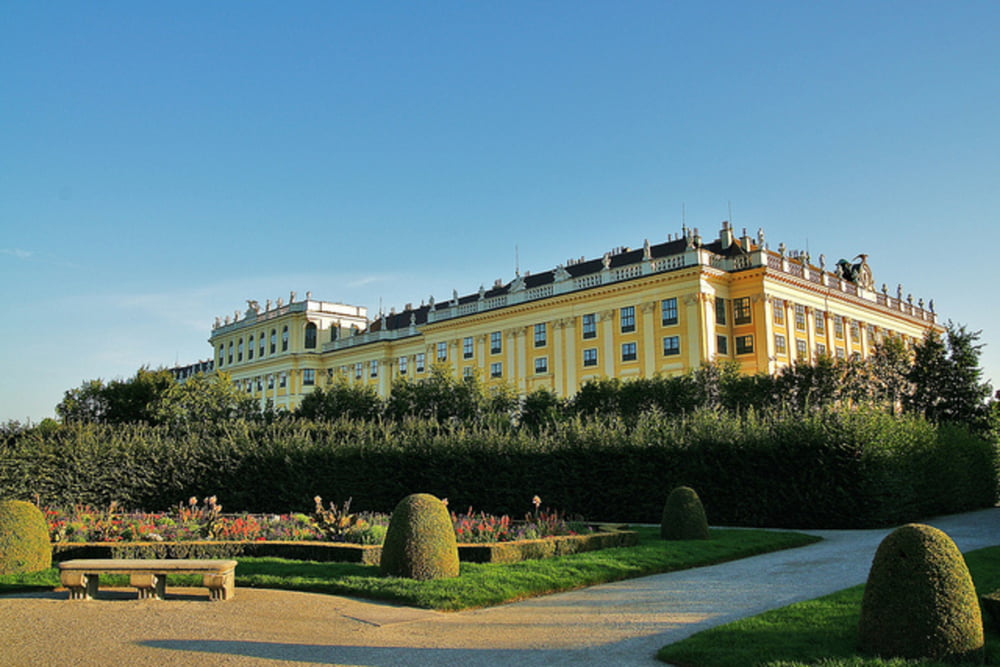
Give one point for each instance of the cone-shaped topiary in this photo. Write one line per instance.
(919, 601)
(683, 516)
(420, 543)
(24, 538)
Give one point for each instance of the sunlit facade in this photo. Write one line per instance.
(661, 309)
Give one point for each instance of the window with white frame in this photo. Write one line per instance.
(741, 311)
(627, 319)
(239, 350)
(590, 356)
(744, 344)
(420, 361)
(373, 368)
(250, 348)
(820, 350)
(496, 342)
(668, 311)
(359, 370)
(628, 352)
(308, 376)
(496, 369)
(467, 347)
(801, 350)
(541, 335)
(541, 365)
(720, 310)
(284, 339)
(819, 317)
(310, 336)
(800, 317)
(403, 362)
(780, 345)
(589, 325)
(778, 306)
(442, 351)
(283, 380)
(274, 341)
(722, 344)
(671, 346)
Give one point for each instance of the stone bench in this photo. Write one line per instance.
(149, 576)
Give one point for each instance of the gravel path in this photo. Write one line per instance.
(622, 623)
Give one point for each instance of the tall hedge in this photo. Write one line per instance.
(832, 469)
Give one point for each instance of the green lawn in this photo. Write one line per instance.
(817, 632)
(482, 585)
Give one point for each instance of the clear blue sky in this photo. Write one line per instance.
(160, 163)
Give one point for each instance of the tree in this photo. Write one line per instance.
(890, 366)
(438, 396)
(341, 400)
(947, 380)
(85, 404)
(205, 398)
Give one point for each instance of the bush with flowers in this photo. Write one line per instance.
(196, 521)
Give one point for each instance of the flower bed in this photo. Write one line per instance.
(332, 533)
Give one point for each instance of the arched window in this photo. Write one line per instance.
(310, 336)
(250, 348)
(222, 355)
(239, 350)
(284, 339)
(230, 352)
(274, 341)
(260, 349)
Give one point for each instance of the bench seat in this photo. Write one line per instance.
(148, 575)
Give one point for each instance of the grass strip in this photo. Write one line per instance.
(823, 631)
(482, 585)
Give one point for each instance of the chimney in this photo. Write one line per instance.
(726, 235)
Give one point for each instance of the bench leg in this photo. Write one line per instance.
(82, 586)
(150, 586)
(220, 586)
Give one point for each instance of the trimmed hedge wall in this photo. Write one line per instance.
(829, 469)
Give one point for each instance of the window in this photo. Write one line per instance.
(230, 352)
(260, 350)
(668, 311)
(495, 343)
(373, 368)
(283, 380)
(467, 372)
(627, 318)
(239, 350)
(270, 381)
(590, 326)
(541, 365)
(467, 347)
(541, 335)
(250, 348)
(403, 361)
(284, 339)
(780, 347)
(741, 310)
(820, 350)
(820, 319)
(359, 370)
(496, 369)
(838, 326)
(779, 311)
(274, 341)
(800, 317)
(720, 310)
(311, 336)
(840, 353)
(744, 344)
(421, 362)
(442, 351)
(855, 331)
(628, 352)
(222, 354)
(590, 356)
(801, 350)
(722, 344)
(260, 383)
(671, 346)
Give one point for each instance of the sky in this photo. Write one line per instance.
(161, 163)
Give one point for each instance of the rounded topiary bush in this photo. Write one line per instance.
(919, 601)
(683, 516)
(24, 538)
(420, 543)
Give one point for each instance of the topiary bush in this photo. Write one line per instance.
(420, 542)
(683, 516)
(920, 601)
(24, 538)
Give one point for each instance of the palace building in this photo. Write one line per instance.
(664, 308)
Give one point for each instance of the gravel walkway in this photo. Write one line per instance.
(622, 623)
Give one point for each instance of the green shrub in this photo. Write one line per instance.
(24, 538)
(420, 543)
(683, 516)
(920, 601)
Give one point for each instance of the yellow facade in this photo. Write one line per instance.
(662, 309)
